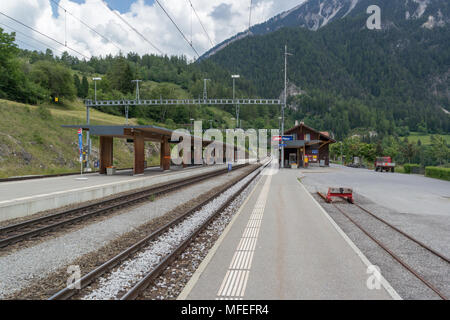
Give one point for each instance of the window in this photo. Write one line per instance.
(307, 137)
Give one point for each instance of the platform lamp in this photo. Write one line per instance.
(234, 77)
(192, 125)
(88, 138)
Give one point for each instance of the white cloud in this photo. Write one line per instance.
(221, 18)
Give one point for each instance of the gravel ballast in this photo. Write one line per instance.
(22, 268)
(132, 270)
(432, 268)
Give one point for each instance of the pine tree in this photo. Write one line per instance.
(84, 87)
(77, 83)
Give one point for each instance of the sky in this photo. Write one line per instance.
(221, 19)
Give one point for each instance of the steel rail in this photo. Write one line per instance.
(92, 210)
(83, 282)
(405, 234)
(392, 254)
(134, 292)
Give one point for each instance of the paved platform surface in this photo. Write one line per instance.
(282, 245)
(26, 197)
(27, 188)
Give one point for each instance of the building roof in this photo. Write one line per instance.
(150, 133)
(322, 134)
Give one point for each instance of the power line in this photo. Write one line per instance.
(27, 44)
(133, 28)
(250, 16)
(53, 39)
(15, 30)
(85, 24)
(181, 32)
(204, 29)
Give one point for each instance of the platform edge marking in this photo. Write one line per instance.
(201, 268)
(387, 286)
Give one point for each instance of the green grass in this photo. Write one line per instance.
(32, 140)
(425, 138)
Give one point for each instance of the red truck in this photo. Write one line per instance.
(384, 163)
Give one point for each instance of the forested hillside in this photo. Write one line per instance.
(389, 81)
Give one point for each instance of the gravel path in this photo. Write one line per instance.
(415, 204)
(407, 285)
(23, 267)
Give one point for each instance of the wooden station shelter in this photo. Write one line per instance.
(307, 143)
(137, 135)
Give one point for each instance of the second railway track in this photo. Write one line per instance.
(397, 254)
(137, 252)
(14, 233)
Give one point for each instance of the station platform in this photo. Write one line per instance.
(22, 198)
(281, 245)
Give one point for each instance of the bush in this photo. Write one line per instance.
(411, 168)
(438, 173)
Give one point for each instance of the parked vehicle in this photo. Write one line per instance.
(384, 164)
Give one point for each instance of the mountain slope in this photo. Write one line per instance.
(315, 14)
(399, 74)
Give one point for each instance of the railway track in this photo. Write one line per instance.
(394, 255)
(35, 227)
(127, 255)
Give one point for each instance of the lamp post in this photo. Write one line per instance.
(88, 137)
(205, 93)
(286, 54)
(192, 124)
(234, 77)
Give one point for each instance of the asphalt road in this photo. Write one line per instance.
(404, 193)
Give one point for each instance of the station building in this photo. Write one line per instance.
(309, 147)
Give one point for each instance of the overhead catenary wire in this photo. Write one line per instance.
(43, 34)
(133, 28)
(203, 27)
(27, 44)
(179, 30)
(86, 25)
(250, 16)
(22, 33)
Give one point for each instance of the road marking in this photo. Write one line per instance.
(387, 286)
(235, 281)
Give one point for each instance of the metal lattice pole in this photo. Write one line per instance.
(283, 107)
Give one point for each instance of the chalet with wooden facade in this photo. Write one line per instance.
(307, 143)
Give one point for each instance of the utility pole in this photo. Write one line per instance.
(235, 76)
(205, 93)
(88, 137)
(286, 54)
(137, 99)
(137, 88)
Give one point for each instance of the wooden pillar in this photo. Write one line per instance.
(165, 154)
(139, 155)
(106, 153)
(304, 153)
